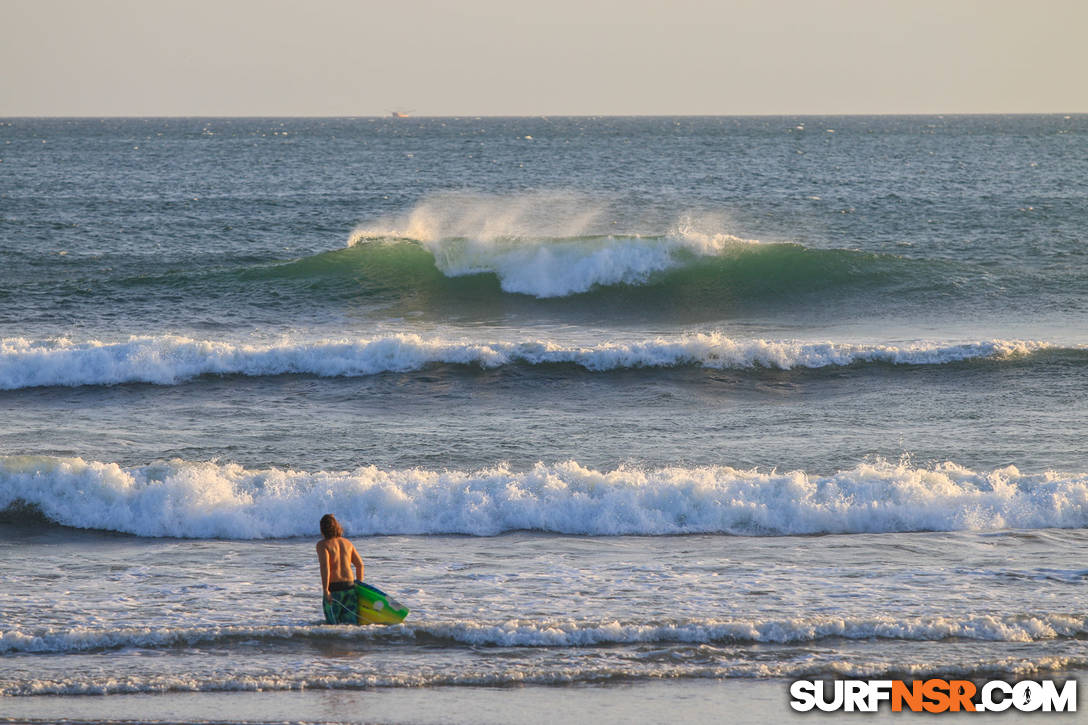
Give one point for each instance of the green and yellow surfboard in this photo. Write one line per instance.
(363, 605)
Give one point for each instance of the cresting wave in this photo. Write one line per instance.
(705, 276)
(463, 263)
(211, 500)
(605, 277)
(172, 359)
(560, 634)
(553, 245)
(705, 269)
(561, 267)
(544, 244)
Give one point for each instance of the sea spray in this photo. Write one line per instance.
(544, 244)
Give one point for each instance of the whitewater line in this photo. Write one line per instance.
(172, 359)
(224, 500)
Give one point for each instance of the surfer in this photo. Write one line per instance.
(337, 557)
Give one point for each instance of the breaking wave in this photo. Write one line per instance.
(212, 500)
(542, 245)
(474, 256)
(172, 359)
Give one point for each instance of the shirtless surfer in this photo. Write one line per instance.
(337, 556)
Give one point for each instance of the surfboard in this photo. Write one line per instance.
(377, 607)
(363, 605)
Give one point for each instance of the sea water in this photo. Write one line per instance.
(603, 401)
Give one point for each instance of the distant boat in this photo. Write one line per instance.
(400, 114)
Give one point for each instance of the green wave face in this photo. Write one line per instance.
(624, 276)
(674, 278)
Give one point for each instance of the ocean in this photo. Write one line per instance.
(629, 411)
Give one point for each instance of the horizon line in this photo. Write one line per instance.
(935, 114)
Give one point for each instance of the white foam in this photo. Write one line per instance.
(557, 268)
(716, 661)
(170, 359)
(529, 633)
(570, 633)
(210, 500)
(544, 244)
(584, 671)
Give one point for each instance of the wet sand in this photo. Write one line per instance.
(735, 701)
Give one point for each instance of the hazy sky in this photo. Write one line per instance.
(552, 57)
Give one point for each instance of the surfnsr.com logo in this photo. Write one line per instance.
(933, 695)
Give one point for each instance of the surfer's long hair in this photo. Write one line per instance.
(330, 527)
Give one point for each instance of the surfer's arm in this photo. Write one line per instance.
(323, 559)
(357, 562)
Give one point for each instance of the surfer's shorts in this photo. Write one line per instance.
(342, 606)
